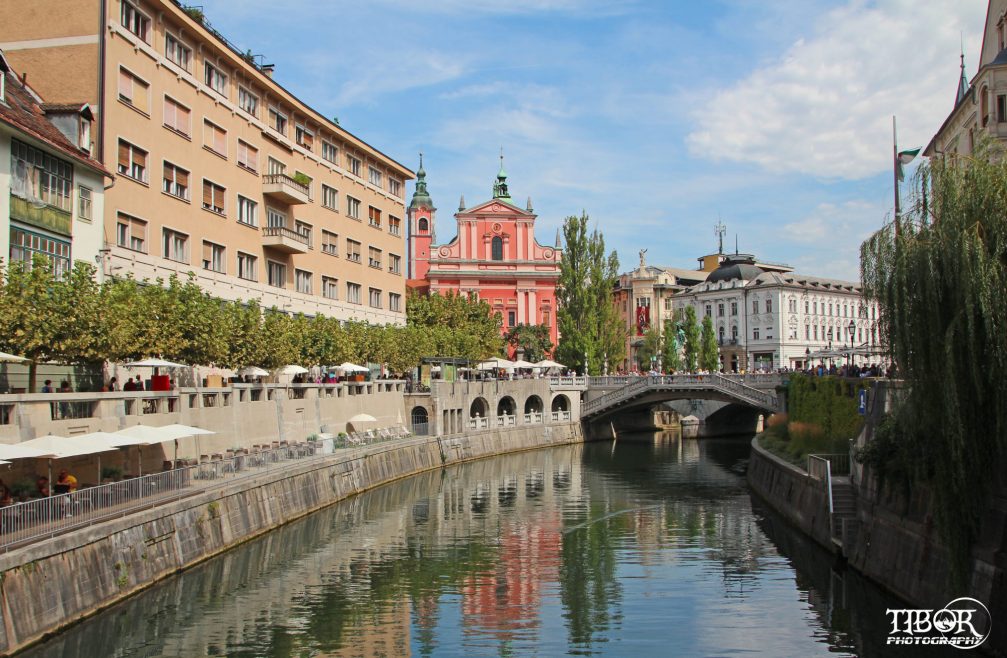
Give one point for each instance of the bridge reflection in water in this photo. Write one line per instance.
(648, 545)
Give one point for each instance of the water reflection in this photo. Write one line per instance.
(647, 545)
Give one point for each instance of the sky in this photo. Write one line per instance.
(658, 118)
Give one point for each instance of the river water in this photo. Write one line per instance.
(651, 545)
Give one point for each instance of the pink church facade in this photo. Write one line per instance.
(494, 255)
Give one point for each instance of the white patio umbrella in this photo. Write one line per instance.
(495, 363)
(182, 431)
(352, 367)
(11, 358)
(292, 369)
(96, 438)
(58, 447)
(253, 371)
(547, 363)
(19, 451)
(521, 363)
(144, 435)
(154, 363)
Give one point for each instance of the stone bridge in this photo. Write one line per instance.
(646, 392)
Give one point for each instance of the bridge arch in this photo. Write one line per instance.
(479, 407)
(561, 403)
(533, 405)
(506, 406)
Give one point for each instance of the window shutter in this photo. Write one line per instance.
(182, 178)
(219, 140)
(140, 158)
(170, 114)
(125, 85)
(123, 154)
(182, 119)
(207, 194)
(218, 196)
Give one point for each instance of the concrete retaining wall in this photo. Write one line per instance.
(789, 490)
(46, 586)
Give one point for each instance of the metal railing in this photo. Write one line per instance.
(819, 469)
(839, 464)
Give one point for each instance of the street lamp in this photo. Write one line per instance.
(853, 332)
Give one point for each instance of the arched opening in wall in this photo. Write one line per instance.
(533, 405)
(561, 403)
(424, 226)
(984, 104)
(480, 407)
(496, 248)
(420, 421)
(506, 406)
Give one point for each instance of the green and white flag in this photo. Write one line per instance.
(904, 158)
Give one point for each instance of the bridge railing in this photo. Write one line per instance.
(713, 381)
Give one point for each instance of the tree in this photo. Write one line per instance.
(531, 339)
(692, 346)
(938, 275)
(463, 325)
(647, 352)
(589, 324)
(671, 348)
(709, 353)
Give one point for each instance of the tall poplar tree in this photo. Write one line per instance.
(589, 325)
(709, 354)
(691, 339)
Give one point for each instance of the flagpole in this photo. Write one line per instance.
(895, 170)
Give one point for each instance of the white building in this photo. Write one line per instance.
(51, 189)
(767, 317)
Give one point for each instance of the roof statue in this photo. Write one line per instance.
(643, 258)
(500, 186)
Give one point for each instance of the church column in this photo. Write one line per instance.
(519, 238)
(522, 303)
(473, 241)
(532, 310)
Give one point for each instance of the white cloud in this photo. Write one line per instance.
(825, 107)
(827, 240)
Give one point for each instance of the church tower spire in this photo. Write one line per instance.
(421, 213)
(500, 186)
(963, 82)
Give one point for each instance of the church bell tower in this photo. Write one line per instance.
(421, 226)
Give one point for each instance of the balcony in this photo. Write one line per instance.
(286, 240)
(285, 189)
(47, 217)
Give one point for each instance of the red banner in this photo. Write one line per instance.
(642, 319)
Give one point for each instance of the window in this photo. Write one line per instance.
(496, 248)
(352, 208)
(302, 281)
(275, 218)
(734, 333)
(134, 21)
(248, 156)
(807, 332)
(844, 310)
(176, 181)
(329, 152)
(373, 216)
(329, 243)
(755, 306)
(720, 335)
(709, 310)
(276, 274)
(769, 306)
(177, 52)
(330, 198)
(374, 176)
(248, 211)
(175, 245)
(246, 266)
(330, 288)
(394, 264)
(807, 307)
(274, 166)
(352, 250)
(374, 257)
(720, 310)
(84, 135)
(374, 298)
(131, 233)
(213, 197)
(734, 308)
(394, 225)
(214, 138)
(37, 176)
(793, 306)
(394, 302)
(278, 121)
(395, 186)
(830, 309)
(25, 244)
(215, 78)
(423, 226)
(213, 257)
(511, 318)
(134, 91)
(303, 229)
(755, 333)
(132, 161)
(816, 331)
(84, 203)
(176, 117)
(248, 101)
(1001, 108)
(353, 165)
(353, 293)
(304, 137)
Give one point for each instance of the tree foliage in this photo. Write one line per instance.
(648, 351)
(709, 353)
(692, 346)
(532, 339)
(939, 282)
(70, 318)
(588, 322)
(671, 348)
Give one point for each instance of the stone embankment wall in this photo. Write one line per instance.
(789, 490)
(47, 586)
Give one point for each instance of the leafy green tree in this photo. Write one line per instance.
(671, 348)
(649, 349)
(709, 354)
(588, 321)
(463, 326)
(532, 339)
(692, 345)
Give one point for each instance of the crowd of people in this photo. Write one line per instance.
(65, 483)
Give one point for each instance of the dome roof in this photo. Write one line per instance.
(736, 266)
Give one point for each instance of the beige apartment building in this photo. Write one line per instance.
(220, 171)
